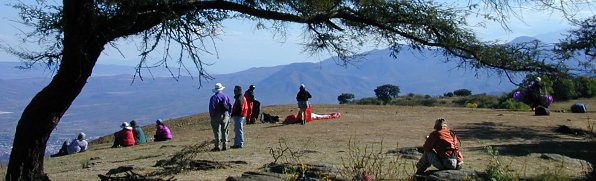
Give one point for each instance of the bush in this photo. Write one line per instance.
(514, 105)
(585, 86)
(345, 98)
(368, 101)
(415, 100)
(462, 92)
(448, 94)
(563, 89)
(481, 100)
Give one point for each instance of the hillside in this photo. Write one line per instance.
(111, 96)
(514, 134)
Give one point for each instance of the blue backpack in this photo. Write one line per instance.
(579, 108)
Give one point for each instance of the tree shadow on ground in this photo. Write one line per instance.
(584, 149)
(498, 131)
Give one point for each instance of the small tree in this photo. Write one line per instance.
(462, 92)
(585, 86)
(386, 92)
(563, 89)
(345, 98)
(448, 94)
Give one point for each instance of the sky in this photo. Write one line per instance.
(242, 46)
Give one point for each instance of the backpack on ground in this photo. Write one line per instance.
(579, 108)
(541, 111)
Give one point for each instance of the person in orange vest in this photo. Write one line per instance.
(441, 149)
(124, 137)
(249, 97)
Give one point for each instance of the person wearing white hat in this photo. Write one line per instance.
(219, 111)
(124, 137)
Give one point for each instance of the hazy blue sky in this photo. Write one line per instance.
(242, 46)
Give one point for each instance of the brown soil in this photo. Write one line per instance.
(514, 133)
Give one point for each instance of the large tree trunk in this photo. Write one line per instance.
(82, 47)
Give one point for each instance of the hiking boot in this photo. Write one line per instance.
(236, 147)
(216, 149)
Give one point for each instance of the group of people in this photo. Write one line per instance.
(244, 109)
(132, 134)
(441, 148)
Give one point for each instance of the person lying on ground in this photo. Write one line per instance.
(76, 146)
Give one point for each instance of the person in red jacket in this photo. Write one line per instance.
(441, 149)
(124, 137)
(239, 112)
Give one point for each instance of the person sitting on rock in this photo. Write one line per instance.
(441, 149)
(124, 137)
(162, 132)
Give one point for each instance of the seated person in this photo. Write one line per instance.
(138, 133)
(162, 132)
(76, 146)
(441, 150)
(124, 137)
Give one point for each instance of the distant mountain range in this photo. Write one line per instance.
(110, 97)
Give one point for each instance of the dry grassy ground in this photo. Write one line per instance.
(514, 133)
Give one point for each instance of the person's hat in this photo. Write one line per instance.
(440, 123)
(218, 87)
(302, 85)
(251, 87)
(82, 135)
(133, 123)
(538, 79)
(125, 125)
(159, 121)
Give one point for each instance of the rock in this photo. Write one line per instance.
(257, 176)
(561, 158)
(407, 152)
(444, 175)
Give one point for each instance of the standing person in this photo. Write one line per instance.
(219, 111)
(162, 132)
(441, 150)
(249, 97)
(239, 112)
(302, 98)
(124, 137)
(138, 133)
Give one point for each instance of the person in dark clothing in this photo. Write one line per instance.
(239, 112)
(302, 98)
(138, 133)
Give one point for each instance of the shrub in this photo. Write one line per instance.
(448, 94)
(481, 100)
(368, 101)
(585, 86)
(345, 98)
(462, 92)
(386, 92)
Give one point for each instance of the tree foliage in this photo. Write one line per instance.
(462, 92)
(386, 92)
(345, 98)
(73, 35)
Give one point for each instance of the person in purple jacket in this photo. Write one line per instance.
(162, 132)
(219, 111)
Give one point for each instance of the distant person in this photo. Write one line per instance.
(124, 137)
(76, 146)
(219, 111)
(138, 133)
(162, 132)
(536, 92)
(239, 112)
(441, 149)
(302, 98)
(249, 97)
